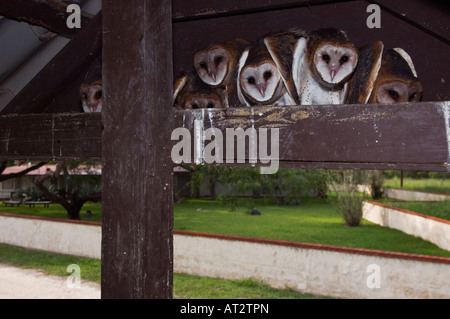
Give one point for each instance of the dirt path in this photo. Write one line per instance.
(18, 283)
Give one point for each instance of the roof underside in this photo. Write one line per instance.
(42, 62)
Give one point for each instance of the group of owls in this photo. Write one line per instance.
(289, 67)
(297, 67)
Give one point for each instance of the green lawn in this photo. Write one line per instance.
(435, 209)
(54, 211)
(432, 185)
(313, 221)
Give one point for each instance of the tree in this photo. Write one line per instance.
(5, 164)
(376, 184)
(72, 195)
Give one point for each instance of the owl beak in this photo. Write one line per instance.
(262, 90)
(212, 75)
(333, 72)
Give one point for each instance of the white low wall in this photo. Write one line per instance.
(315, 269)
(412, 195)
(72, 238)
(429, 228)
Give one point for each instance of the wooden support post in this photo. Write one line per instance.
(137, 232)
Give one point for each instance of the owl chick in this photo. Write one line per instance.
(190, 92)
(324, 63)
(384, 76)
(259, 80)
(91, 96)
(397, 79)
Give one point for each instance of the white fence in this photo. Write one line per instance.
(308, 268)
(411, 195)
(429, 228)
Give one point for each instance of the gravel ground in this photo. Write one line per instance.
(18, 283)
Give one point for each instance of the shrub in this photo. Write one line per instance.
(349, 201)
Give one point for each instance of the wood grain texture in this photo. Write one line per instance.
(137, 252)
(344, 136)
(50, 14)
(403, 136)
(205, 9)
(51, 137)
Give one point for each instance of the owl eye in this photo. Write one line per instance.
(267, 74)
(194, 106)
(217, 60)
(251, 80)
(344, 59)
(393, 94)
(210, 106)
(326, 57)
(203, 65)
(98, 95)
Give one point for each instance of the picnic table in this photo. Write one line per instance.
(11, 203)
(33, 203)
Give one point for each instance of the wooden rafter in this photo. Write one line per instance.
(50, 14)
(79, 53)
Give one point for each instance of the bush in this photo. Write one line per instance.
(349, 201)
(29, 193)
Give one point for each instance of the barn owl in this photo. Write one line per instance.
(259, 80)
(384, 76)
(282, 46)
(91, 96)
(324, 62)
(397, 79)
(217, 67)
(190, 92)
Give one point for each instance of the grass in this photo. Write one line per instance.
(313, 221)
(185, 286)
(435, 209)
(441, 186)
(54, 211)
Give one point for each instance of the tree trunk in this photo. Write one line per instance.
(212, 189)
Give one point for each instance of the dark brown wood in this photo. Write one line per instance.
(50, 14)
(398, 137)
(51, 137)
(137, 239)
(343, 136)
(77, 56)
(431, 16)
(205, 9)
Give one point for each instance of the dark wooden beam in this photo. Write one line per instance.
(50, 14)
(137, 239)
(51, 137)
(75, 57)
(206, 9)
(403, 136)
(398, 137)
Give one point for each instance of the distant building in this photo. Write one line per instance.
(12, 186)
